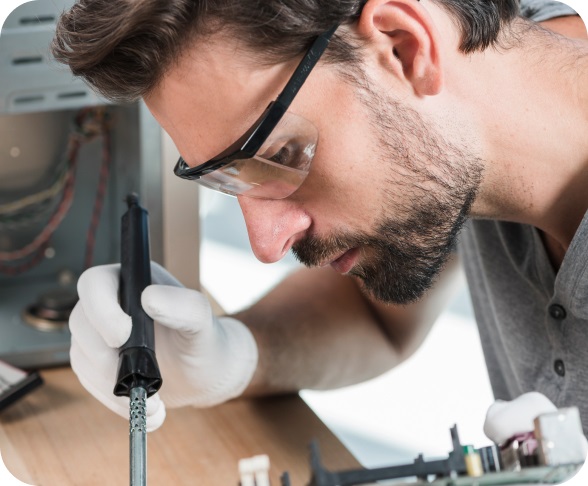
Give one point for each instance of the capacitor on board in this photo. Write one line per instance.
(473, 462)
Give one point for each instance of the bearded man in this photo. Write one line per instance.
(361, 135)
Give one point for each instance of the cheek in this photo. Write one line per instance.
(347, 179)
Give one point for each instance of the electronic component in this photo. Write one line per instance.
(452, 467)
(559, 437)
(15, 383)
(519, 451)
(490, 458)
(473, 462)
(254, 471)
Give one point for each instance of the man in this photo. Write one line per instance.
(416, 116)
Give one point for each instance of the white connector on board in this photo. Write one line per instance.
(254, 471)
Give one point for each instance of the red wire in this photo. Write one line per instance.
(36, 258)
(89, 123)
(99, 202)
(43, 237)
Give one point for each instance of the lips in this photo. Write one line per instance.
(345, 262)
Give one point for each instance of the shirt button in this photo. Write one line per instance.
(559, 367)
(557, 312)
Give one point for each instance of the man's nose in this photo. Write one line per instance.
(273, 226)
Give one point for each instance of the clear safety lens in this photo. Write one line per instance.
(278, 168)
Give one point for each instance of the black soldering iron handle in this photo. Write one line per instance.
(137, 366)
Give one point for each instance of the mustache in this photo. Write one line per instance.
(401, 260)
(423, 237)
(312, 251)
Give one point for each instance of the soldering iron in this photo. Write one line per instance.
(138, 373)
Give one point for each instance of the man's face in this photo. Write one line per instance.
(386, 194)
(427, 188)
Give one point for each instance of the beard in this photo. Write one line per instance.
(429, 187)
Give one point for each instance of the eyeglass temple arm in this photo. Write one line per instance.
(304, 68)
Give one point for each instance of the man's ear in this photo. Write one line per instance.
(406, 42)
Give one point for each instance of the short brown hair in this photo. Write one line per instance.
(124, 47)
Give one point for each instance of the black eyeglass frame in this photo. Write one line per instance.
(253, 139)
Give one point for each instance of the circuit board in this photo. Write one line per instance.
(531, 475)
(552, 454)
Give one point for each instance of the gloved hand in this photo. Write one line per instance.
(203, 360)
(507, 419)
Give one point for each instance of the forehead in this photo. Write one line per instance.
(212, 95)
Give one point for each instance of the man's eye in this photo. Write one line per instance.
(287, 154)
(283, 156)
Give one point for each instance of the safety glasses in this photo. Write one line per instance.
(272, 159)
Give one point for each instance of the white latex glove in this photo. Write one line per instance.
(203, 360)
(507, 419)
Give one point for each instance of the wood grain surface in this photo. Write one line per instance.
(59, 435)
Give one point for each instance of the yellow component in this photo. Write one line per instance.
(473, 463)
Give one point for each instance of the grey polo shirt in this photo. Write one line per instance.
(533, 321)
(539, 10)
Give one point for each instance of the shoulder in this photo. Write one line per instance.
(540, 10)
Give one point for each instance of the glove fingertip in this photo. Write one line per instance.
(98, 273)
(155, 420)
(116, 330)
(152, 301)
(176, 308)
(504, 419)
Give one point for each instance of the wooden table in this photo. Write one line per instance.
(59, 435)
